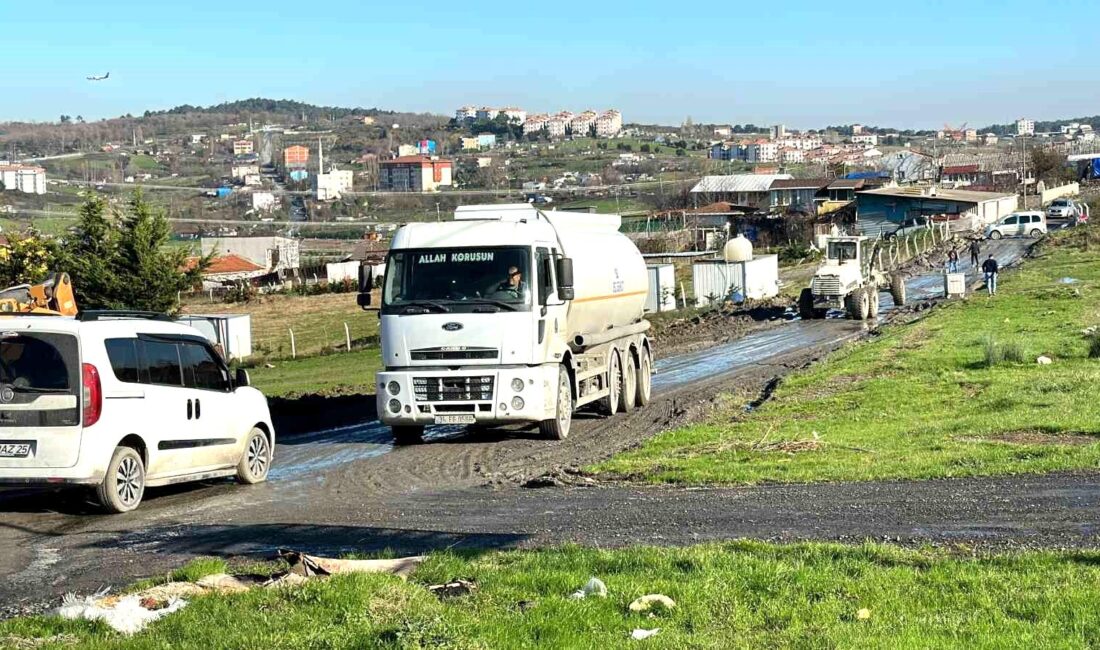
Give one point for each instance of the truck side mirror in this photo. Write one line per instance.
(366, 283)
(565, 278)
(241, 378)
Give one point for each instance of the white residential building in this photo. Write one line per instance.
(244, 169)
(487, 113)
(989, 139)
(535, 123)
(263, 201)
(1025, 126)
(609, 124)
(516, 115)
(23, 178)
(762, 152)
(583, 123)
(791, 155)
(778, 132)
(332, 185)
(556, 126)
(865, 138)
(466, 113)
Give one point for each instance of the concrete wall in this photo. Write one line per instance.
(272, 253)
(1073, 189)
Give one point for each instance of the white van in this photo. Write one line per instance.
(121, 401)
(1032, 223)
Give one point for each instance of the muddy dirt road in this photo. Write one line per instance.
(349, 489)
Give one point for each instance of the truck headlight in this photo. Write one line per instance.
(517, 385)
(517, 403)
(395, 406)
(394, 388)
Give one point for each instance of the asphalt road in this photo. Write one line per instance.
(349, 489)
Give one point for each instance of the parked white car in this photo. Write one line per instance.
(122, 401)
(1062, 209)
(1032, 223)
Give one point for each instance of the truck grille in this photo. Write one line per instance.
(449, 354)
(453, 389)
(826, 286)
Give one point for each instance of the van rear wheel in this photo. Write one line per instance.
(123, 485)
(1035, 234)
(996, 234)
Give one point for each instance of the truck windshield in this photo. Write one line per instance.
(457, 275)
(842, 251)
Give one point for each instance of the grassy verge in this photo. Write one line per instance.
(922, 400)
(339, 373)
(739, 595)
(317, 321)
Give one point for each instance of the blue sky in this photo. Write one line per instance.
(804, 63)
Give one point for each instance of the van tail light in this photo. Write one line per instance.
(93, 395)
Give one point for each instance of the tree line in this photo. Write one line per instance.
(117, 259)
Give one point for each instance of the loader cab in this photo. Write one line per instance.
(844, 250)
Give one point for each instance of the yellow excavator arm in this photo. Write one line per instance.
(54, 295)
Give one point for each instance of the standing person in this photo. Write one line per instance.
(989, 267)
(953, 261)
(975, 251)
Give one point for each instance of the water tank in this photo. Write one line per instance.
(738, 249)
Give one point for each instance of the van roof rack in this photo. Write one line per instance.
(100, 314)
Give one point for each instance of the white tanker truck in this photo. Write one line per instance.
(510, 314)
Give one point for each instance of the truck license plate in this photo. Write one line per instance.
(15, 450)
(455, 419)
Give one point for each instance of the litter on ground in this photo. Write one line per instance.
(652, 603)
(453, 589)
(594, 587)
(126, 615)
(640, 634)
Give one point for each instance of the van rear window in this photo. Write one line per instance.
(41, 369)
(41, 361)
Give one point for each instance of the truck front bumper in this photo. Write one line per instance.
(468, 396)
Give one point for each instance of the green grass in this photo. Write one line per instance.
(144, 162)
(737, 595)
(921, 400)
(342, 373)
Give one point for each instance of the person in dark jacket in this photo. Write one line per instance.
(989, 267)
(975, 251)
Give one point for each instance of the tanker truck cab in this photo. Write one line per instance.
(510, 315)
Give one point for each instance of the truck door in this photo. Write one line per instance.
(551, 309)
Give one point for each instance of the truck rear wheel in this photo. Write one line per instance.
(897, 289)
(558, 428)
(610, 403)
(629, 389)
(645, 378)
(408, 434)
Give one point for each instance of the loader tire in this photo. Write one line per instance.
(872, 303)
(857, 304)
(897, 289)
(806, 304)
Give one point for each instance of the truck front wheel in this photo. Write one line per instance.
(408, 435)
(558, 428)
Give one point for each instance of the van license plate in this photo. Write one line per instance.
(15, 450)
(455, 419)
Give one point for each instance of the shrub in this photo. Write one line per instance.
(996, 353)
(1094, 345)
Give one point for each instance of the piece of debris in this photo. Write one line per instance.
(453, 589)
(525, 605)
(544, 482)
(225, 583)
(594, 587)
(652, 603)
(312, 565)
(125, 615)
(863, 614)
(1044, 361)
(1089, 331)
(639, 634)
(269, 366)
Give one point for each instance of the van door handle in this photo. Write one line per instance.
(189, 412)
(198, 409)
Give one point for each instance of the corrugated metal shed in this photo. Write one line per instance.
(738, 183)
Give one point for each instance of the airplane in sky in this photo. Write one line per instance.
(95, 78)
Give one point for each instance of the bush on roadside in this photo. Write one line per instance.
(997, 353)
(1094, 345)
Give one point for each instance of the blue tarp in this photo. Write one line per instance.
(1095, 168)
(223, 192)
(855, 176)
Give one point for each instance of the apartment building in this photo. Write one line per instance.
(762, 151)
(28, 179)
(1025, 126)
(295, 156)
(583, 123)
(865, 138)
(535, 123)
(414, 174)
(791, 155)
(466, 113)
(487, 113)
(242, 147)
(609, 124)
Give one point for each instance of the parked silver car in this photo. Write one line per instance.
(1061, 209)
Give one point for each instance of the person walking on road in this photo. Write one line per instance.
(989, 267)
(975, 251)
(953, 261)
